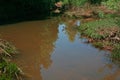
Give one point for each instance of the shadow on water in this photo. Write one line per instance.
(23, 10)
(53, 50)
(23, 18)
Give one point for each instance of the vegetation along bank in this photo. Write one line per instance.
(100, 23)
(8, 69)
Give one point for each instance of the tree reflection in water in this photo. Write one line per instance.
(70, 29)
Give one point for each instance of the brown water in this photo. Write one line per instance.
(53, 50)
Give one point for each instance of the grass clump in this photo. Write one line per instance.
(102, 31)
(112, 4)
(96, 29)
(6, 48)
(8, 70)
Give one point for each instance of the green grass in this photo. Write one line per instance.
(92, 29)
(112, 4)
(100, 31)
(8, 70)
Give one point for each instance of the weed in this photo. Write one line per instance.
(12, 69)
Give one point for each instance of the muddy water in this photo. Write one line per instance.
(53, 50)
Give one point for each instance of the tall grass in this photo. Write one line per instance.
(8, 70)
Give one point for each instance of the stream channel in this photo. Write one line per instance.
(54, 50)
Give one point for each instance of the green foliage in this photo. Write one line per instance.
(101, 14)
(65, 1)
(5, 77)
(8, 70)
(12, 69)
(92, 29)
(100, 31)
(112, 4)
(3, 64)
(78, 2)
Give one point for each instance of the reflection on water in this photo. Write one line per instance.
(114, 73)
(53, 51)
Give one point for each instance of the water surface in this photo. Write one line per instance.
(53, 50)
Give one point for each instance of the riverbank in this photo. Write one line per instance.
(100, 26)
(103, 34)
(8, 69)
